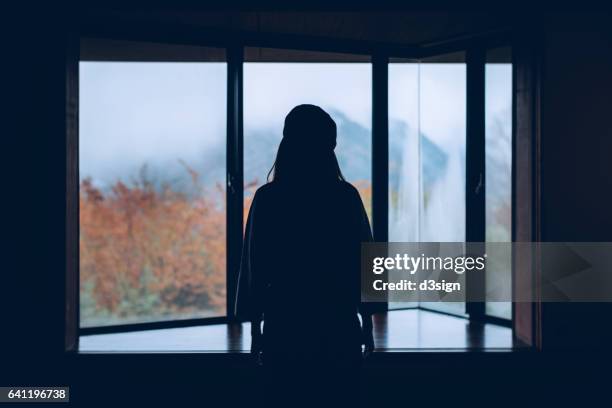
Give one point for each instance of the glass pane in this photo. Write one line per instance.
(498, 171)
(152, 190)
(427, 154)
(344, 90)
(442, 128)
(404, 157)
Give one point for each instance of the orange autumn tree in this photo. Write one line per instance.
(148, 252)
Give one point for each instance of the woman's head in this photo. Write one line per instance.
(307, 148)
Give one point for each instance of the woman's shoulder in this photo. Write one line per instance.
(347, 188)
(341, 188)
(265, 188)
(264, 191)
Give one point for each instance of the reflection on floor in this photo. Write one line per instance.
(407, 330)
(422, 329)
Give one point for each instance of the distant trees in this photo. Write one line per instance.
(150, 252)
(365, 191)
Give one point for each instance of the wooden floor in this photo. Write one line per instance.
(398, 330)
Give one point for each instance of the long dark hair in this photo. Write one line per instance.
(307, 148)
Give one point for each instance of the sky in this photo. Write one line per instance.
(134, 112)
(272, 89)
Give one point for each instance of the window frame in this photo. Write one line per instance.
(234, 44)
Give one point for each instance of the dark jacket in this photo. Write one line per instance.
(301, 266)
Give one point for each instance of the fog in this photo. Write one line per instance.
(137, 113)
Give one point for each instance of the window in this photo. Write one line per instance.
(272, 89)
(152, 164)
(152, 128)
(404, 152)
(404, 157)
(427, 111)
(498, 173)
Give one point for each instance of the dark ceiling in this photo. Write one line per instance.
(402, 28)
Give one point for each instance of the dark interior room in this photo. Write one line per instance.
(150, 146)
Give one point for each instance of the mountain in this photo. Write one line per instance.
(402, 137)
(260, 145)
(353, 151)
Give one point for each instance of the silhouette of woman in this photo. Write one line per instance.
(300, 271)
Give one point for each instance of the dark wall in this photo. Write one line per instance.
(576, 160)
(32, 271)
(33, 284)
